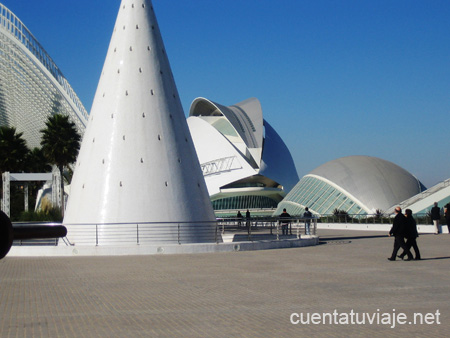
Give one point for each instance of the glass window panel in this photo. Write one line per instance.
(355, 209)
(347, 205)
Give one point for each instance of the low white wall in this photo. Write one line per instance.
(421, 228)
(110, 250)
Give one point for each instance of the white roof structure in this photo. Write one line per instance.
(245, 162)
(355, 184)
(424, 201)
(137, 162)
(32, 87)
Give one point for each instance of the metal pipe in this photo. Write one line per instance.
(8, 232)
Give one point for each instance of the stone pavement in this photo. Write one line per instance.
(236, 294)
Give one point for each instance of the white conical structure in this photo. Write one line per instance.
(137, 162)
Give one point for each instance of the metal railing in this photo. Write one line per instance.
(143, 233)
(239, 229)
(254, 229)
(268, 227)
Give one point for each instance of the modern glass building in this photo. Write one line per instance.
(358, 185)
(321, 197)
(32, 87)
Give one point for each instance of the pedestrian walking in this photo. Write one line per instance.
(411, 235)
(398, 231)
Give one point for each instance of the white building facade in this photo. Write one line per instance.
(32, 87)
(245, 163)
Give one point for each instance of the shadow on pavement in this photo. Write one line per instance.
(434, 258)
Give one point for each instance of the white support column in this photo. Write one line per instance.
(56, 188)
(6, 203)
(25, 192)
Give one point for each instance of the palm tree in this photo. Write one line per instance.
(13, 155)
(379, 214)
(13, 150)
(60, 144)
(37, 162)
(343, 214)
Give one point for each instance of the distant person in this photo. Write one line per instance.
(398, 230)
(307, 215)
(436, 216)
(239, 217)
(247, 220)
(411, 235)
(285, 220)
(447, 215)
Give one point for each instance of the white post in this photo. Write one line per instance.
(6, 206)
(56, 188)
(25, 191)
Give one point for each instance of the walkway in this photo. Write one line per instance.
(236, 294)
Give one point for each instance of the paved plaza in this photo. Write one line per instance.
(235, 294)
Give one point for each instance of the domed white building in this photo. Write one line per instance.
(358, 185)
(245, 163)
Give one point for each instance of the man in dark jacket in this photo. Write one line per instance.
(307, 215)
(285, 220)
(411, 235)
(398, 230)
(436, 217)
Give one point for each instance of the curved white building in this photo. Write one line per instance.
(137, 165)
(244, 161)
(423, 202)
(358, 185)
(32, 87)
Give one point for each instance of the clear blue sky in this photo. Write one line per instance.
(334, 77)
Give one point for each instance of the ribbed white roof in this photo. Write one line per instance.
(377, 183)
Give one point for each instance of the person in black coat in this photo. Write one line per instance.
(307, 215)
(447, 215)
(411, 235)
(285, 220)
(247, 221)
(436, 217)
(398, 230)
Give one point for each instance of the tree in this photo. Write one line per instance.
(36, 162)
(60, 145)
(13, 158)
(379, 214)
(342, 215)
(13, 150)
